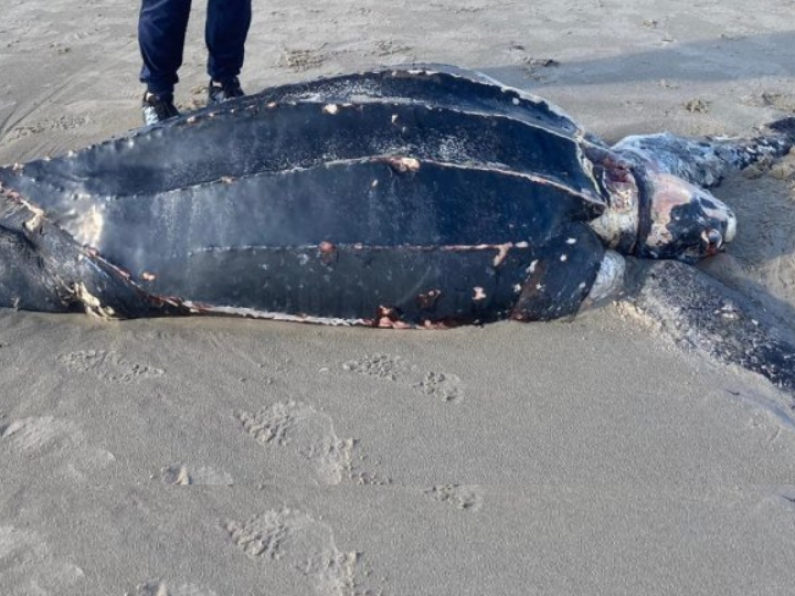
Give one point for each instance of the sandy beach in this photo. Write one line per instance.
(218, 457)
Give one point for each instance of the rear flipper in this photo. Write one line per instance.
(42, 268)
(701, 312)
(24, 281)
(705, 161)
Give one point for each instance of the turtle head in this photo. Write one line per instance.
(657, 215)
(683, 221)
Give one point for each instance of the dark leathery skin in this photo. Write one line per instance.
(42, 268)
(476, 283)
(422, 207)
(288, 136)
(562, 275)
(370, 202)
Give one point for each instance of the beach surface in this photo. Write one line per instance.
(216, 457)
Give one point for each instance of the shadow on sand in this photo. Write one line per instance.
(701, 61)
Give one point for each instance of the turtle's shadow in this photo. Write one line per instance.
(757, 294)
(764, 246)
(711, 60)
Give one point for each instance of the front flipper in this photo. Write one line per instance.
(705, 161)
(701, 312)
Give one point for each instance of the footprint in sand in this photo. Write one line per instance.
(48, 440)
(382, 366)
(61, 123)
(27, 565)
(465, 498)
(108, 366)
(159, 588)
(304, 430)
(444, 386)
(296, 540)
(180, 475)
(301, 60)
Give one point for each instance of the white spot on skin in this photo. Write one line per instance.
(480, 294)
(91, 226)
(394, 118)
(331, 109)
(92, 304)
(374, 184)
(404, 164)
(35, 222)
(502, 253)
(532, 267)
(571, 241)
(517, 288)
(564, 258)
(516, 101)
(410, 163)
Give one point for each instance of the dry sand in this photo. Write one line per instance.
(220, 457)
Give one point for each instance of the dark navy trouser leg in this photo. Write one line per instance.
(227, 27)
(161, 36)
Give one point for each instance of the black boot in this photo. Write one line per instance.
(157, 108)
(221, 91)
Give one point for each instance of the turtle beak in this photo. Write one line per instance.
(712, 241)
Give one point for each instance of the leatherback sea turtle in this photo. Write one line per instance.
(413, 197)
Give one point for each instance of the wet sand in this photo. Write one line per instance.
(223, 456)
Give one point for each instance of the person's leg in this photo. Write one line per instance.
(161, 36)
(228, 22)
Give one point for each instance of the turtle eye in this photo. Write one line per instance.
(712, 239)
